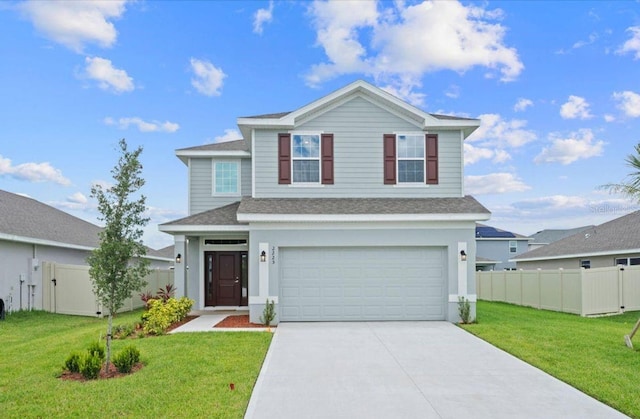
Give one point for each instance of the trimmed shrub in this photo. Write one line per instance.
(162, 314)
(96, 348)
(126, 359)
(268, 314)
(122, 331)
(90, 366)
(73, 362)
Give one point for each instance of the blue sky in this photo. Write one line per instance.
(556, 85)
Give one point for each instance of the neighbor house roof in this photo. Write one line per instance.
(621, 235)
(326, 209)
(488, 232)
(27, 220)
(553, 235)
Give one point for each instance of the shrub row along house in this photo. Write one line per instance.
(31, 233)
(349, 208)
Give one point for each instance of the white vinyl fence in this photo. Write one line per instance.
(581, 291)
(67, 289)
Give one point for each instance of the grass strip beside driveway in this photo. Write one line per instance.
(185, 374)
(587, 353)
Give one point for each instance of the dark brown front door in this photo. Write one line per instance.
(223, 278)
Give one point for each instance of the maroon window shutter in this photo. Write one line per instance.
(432, 159)
(327, 159)
(284, 159)
(389, 159)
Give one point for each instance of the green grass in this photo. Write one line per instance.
(587, 353)
(185, 375)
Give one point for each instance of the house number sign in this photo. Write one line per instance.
(273, 255)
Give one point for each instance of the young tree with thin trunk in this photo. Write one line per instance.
(117, 267)
(630, 187)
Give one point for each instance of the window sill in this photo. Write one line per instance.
(411, 185)
(226, 195)
(306, 185)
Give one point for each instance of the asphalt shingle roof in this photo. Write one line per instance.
(235, 145)
(621, 234)
(464, 205)
(553, 235)
(26, 217)
(219, 216)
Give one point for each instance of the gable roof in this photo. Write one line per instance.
(27, 220)
(487, 232)
(553, 235)
(359, 88)
(210, 220)
(360, 209)
(621, 235)
(235, 148)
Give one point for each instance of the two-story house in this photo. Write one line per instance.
(495, 248)
(349, 208)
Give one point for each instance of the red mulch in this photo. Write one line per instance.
(112, 373)
(240, 321)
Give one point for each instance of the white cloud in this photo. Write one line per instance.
(579, 145)
(108, 77)
(453, 91)
(609, 118)
(32, 172)
(498, 132)
(261, 17)
(407, 41)
(494, 183)
(474, 154)
(554, 202)
(576, 107)
(522, 104)
(229, 135)
(143, 126)
(632, 45)
(208, 78)
(628, 102)
(592, 38)
(77, 198)
(75, 23)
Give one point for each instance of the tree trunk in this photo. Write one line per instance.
(108, 357)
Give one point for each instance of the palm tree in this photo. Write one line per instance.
(631, 186)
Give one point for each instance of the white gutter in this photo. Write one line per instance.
(578, 255)
(245, 217)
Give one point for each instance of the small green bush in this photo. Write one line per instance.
(268, 314)
(162, 314)
(73, 362)
(126, 359)
(122, 331)
(464, 310)
(90, 366)
(98, 349)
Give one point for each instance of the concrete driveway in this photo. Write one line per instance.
(405, 370)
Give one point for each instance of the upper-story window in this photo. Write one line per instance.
(305, 155)
(305, 158)
(226, 177)
(411, 159)
(513, 246)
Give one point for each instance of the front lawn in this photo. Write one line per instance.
(185, 374)
(588, 353)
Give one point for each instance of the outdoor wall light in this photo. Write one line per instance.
(463, 255)
(179, 258)
(263, 256)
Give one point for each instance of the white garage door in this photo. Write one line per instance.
(362, 283)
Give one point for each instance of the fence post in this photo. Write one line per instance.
(561, 277)
(621, 288)
(539, 288)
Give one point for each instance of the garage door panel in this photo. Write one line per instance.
(362, 284)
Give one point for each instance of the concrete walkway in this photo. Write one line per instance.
(405, 370)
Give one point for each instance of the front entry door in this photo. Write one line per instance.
(223, 278)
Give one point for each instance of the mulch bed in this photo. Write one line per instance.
(180, 323)
(112, 373)
(239, 321)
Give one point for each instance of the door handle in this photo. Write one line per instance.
(237, 281)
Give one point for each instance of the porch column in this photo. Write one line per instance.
(180, 268)
(263, 272)
(462, 270)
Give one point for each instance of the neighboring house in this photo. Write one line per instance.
(349, 208)
(616, 242)
(31, 233)
(495, 248)
(548, 236)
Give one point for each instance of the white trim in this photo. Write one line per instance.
(245, 217)
(263, 271)
(462, 269)
(306, 185)
(188, 186)
(256, 299)
(453, 298)
(504, 239)
(212, 153)
(253, 164)
(403, 225)
(578, 255)
(461, 163)
(421, 136)
(318, 159)
(238, 175)
(201, 228)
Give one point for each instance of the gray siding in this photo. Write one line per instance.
(201, 183)
(358, 127)
(574, 263)
(499, 250)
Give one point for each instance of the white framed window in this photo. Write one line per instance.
(305, 158)
(513, 246)
(226, 177)
(585, 263)
(628, 261)
(411, 158)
